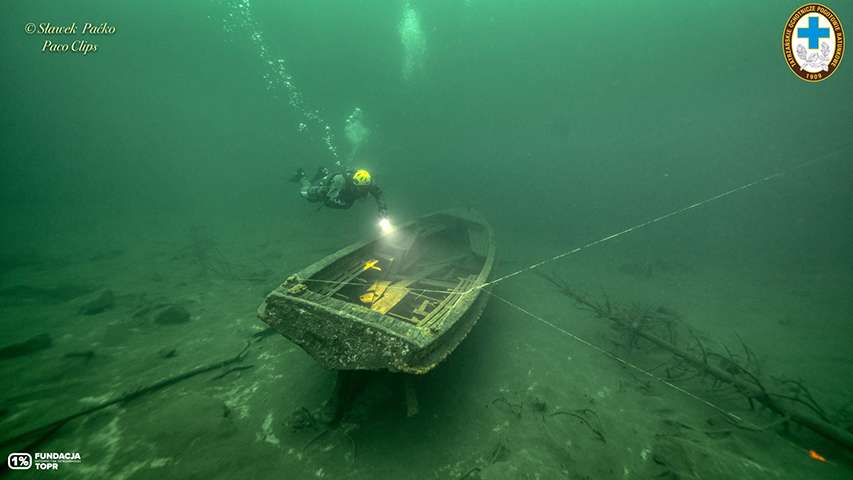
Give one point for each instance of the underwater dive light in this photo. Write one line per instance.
(385, 225)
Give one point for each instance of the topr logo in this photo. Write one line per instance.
(813, 42)
(42, 460)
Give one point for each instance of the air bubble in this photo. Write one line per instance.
(276, 76)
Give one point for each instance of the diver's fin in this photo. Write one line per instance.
(321, 173)
(298, 176)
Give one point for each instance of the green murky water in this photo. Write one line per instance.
(146, 211)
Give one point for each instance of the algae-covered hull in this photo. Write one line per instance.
(401, 302)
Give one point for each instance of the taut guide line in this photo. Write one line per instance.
(627, 230)
(623, 362)
(601, 240)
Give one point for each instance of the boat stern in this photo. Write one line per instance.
(337, 339)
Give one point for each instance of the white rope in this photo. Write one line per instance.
(620, 360)
(665, 216)
(607, 238)
(611, 236)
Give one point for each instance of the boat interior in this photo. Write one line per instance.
(413, 275)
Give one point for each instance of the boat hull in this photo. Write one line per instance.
(342, 335)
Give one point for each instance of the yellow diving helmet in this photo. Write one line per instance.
(361, 177)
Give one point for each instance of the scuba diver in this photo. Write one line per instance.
(340, 190)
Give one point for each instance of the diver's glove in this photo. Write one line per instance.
(298, 176)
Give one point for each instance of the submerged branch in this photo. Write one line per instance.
(49, 429)
(748, 384)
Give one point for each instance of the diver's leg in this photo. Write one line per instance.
(312, 193)
(320, 175)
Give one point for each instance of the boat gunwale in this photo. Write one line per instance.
(418, 336)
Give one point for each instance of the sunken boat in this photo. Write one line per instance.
(401, 302)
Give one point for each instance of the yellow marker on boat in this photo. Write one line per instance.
(371, 264)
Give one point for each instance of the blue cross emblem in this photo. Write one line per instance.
(813, 33)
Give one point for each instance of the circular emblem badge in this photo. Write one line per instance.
(813, 42)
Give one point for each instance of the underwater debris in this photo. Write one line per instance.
(203, 251)
(172, 315)
(27, 347)
(260, 335)
(510, 407)
(532, 402)
(629, 319)
(587, 416)
(100, 302)
(844, 414)
(232, 370)
(472, 474)
(333, 435)
(539, 407)
(732, 371)
(500, 453)
(797, 392)
(42, 433)
(497, 454)
(302, 419)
